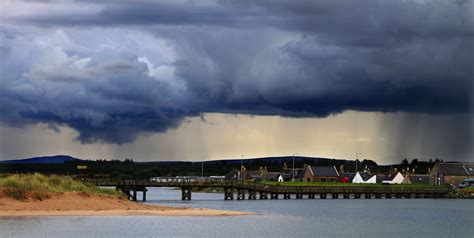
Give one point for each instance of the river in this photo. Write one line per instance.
(274, 218)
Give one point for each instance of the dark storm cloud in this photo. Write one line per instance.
(144, 13)
(116, 128)
(287, 58)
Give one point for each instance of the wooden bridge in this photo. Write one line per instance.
(264, 191)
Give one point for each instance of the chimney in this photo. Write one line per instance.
(341, 169)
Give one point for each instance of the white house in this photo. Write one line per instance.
(364, 178)
(280, 178)
(390, 178)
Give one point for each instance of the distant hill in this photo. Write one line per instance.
(56, 159)
(276, 160)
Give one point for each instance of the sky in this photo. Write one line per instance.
(178, 80)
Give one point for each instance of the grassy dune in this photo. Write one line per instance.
(38, 187)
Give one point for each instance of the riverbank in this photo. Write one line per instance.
(80, 204)
(40, 195)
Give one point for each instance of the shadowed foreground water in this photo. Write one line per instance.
(275, 218)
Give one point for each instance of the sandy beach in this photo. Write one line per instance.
(78, 204)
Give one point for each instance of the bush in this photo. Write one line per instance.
(16, 193)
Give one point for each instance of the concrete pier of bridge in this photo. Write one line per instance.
(186, 193)
(132, 192)
(133, 187)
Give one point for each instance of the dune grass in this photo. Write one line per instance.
(38, 187)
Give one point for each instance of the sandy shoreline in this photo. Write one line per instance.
(76, 204)
(180, 212)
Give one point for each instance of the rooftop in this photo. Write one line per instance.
(461, 169)
(326, 171)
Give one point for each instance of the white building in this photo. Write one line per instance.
(364, 178)
(390, 178)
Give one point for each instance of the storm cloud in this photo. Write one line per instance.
(115, 70)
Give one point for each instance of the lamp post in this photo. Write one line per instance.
(202, 166)
(357, 158)
(241, 167)
(293, 171)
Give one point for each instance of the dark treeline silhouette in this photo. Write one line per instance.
(130, 168)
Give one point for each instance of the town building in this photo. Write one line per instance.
(390, 178)
(363, 177)
(417, 179)
(319, 174)
(451, 173)
(359, 177)
(253, 175)
(290, 173)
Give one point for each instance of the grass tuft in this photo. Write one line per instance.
(39, 187)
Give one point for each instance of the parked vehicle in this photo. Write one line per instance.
(469, 182)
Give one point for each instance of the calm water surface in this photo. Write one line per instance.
(275, 218)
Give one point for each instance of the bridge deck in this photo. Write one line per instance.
(277, 189)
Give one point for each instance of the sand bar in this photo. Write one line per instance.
(76, 204)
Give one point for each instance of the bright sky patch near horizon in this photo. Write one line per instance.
(176, 80)
(384, 138)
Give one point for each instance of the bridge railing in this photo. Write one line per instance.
(196, 182)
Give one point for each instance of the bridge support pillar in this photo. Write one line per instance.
(398, 195)
(378, 195)
(273, 195)
(368, 196)
(186, 193)
(286, 196)
(127, 193)
(322, 196)
(135, 195)
(124, 191)
(263, 195)
(311, 196)
(335, 196)
(228, 193)
(240, 194)
(144, 194)
(299, 196)
(388, 196)
(346, 196)
(252, 195)
(356, 195)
